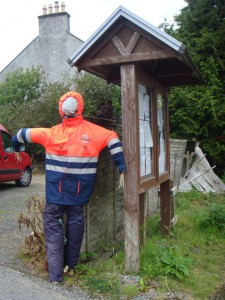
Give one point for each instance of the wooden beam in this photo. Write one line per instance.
(177, 74)
(165, 205)
(129, 48)
(131, 188)
(120, 59)
(142, 216)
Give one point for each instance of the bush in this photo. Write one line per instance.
(215, 217)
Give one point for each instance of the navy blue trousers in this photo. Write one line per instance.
(61, 251)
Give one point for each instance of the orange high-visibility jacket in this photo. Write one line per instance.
(72, 151)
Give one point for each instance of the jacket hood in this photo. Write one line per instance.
(77, 97)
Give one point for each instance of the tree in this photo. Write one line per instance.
(101, 99)
(197, 113)
(22, 85)
(26, 100)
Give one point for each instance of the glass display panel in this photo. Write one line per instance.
(161, 132)
(145, 131)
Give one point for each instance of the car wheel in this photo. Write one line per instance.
(25, 178)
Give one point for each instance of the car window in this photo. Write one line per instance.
(7, 143)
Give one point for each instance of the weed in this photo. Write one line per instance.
(87, 257)
(171, 263)
(219, 294)
(33, 220)
(215, 217)
(152, 226)
(104, 285)
(163, 260)
(129, 291)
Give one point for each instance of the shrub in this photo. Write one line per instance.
(214, 217)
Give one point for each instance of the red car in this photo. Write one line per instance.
(12, 168)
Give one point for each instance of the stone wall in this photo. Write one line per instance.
(104, 215)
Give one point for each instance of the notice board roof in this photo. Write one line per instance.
(126, 38)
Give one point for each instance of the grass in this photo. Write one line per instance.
(189, 260)
(202, 240)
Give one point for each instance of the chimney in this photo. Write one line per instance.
(44, 9)
(50, 9)
(56, 7)
(63, 6)
(48, 20)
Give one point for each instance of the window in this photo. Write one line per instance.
(145, 131)
(7, 143)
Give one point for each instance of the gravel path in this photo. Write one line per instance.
(15, 285)
(12, 201)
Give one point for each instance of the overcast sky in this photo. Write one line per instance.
(19, 19)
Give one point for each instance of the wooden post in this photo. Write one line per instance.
(165, 204)
(131, 188)
(142, 216)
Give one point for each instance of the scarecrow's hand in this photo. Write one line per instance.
(18, 157)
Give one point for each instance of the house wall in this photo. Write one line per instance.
(50, 49)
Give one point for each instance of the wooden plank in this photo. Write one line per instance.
(174, 221)
(131, 187)
(119, 59)
(142, 216)
(132, 259)
(129, 48)
(165, 206)
(173, 191)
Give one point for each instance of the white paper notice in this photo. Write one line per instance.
(141, 134)
(148, 134)
(142, 160)
(146, 109)
(141, 106)
(148, 161)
